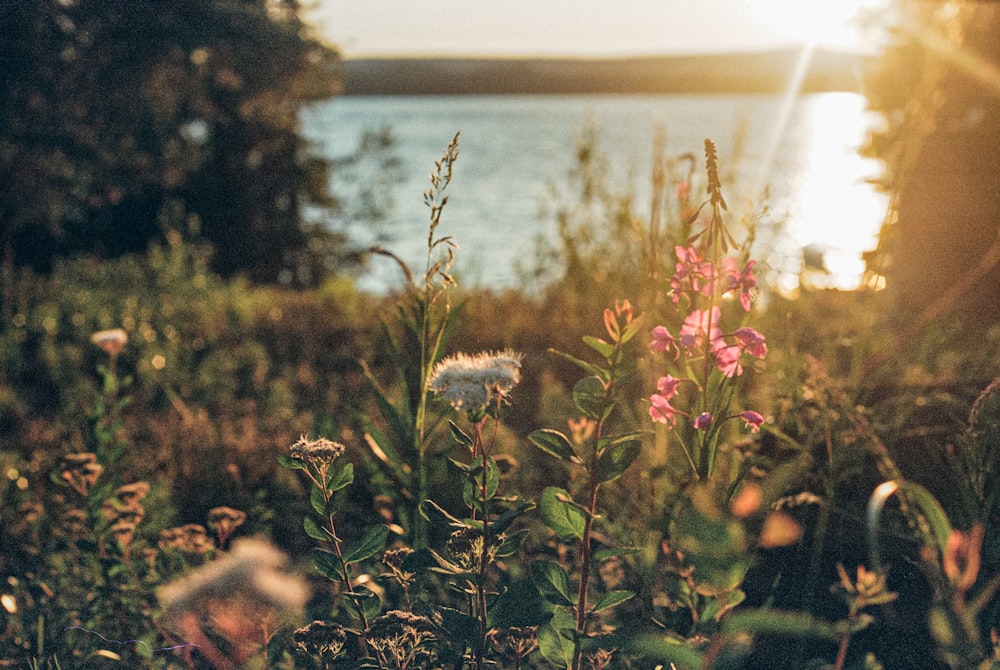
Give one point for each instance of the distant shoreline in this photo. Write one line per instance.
(756, 72)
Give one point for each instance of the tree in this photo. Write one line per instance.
(938, 89)
(123, 120)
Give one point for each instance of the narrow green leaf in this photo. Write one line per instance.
(632, 329)
(291, 463)
(940, 526)
(610, 552)
(589, 368)
(605, 349)
(612, 599)
(313, 529)
(435, 514)
(777, 622)
(561, 515)
(327, 564)
(555, 444)
(552, 582)
(669, 653)
(591, 397)
(338, 478)
(616, 459)
(318, 501)
(460, 436)
(502, 522)
(369, 545)
(512, 543)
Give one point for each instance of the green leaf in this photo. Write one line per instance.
(605, 349)
(556, 649)
(503, 521)
(777, 622)
(555, 444)
(339, 478)
(591, 397)
(369, 545)
(460, 436)
(519, 604)
(318, 501)
(617, 456)
(327, 564)
(940, 526)
(471, 492)
(670, 653)
(609, 552)
(552, 582)
(291, 463)
(632, 328)
(612, 599)
(587, 367)
(313, 530)
(559, 514)
(436, 515)
(512, 543)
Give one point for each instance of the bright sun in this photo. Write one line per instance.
(833, 24)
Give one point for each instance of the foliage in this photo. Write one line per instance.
(121, 126)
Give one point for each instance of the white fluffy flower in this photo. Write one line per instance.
(473, 382)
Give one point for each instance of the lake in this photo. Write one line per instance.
(515, 149)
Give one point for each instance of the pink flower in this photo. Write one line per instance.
(661, 411)
(697, 326)
(692, 273)
(752, 420)
(703, 421)
(662, 340)
(752, 342)
(727, 359)
(667, 386)
(745, 282)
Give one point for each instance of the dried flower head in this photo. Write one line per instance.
(191, 539)
(320, 450)
(111, 341)
(401, 636)
(514, 643)
(135, 491)
(80, 471)
(394, 559)
(322, 639)
(224, 520)
(475, 382)
(123, 531)
(466, 546)
(74, 523)
(131, 512)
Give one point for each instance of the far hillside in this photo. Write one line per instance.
(758, 72)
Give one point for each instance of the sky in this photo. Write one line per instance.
(586, 28)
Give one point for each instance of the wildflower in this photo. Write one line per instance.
(401, 636)
(962, 557)
(320, 450)
(191, 539)
(752, 420)
(661, 411)
(581, 430)
(475, 382)
(515, 643)
(743, 281)
(132, 492)
(727, 359)
(703, 421)
(466, 546)
(615, 319)
(111, 341)
(752, 342)
(697, 326)
(322, 639)
(123, 531)
(394, 560)
(131, 512)
(662, 340)
(236, 596)
(81, 471)
(691, 274)
(224, 520)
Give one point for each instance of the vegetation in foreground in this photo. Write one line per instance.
(689, 485)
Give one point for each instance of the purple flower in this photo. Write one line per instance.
(703, 421)
(752, 420)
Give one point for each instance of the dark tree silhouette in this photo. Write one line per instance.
(123, 120)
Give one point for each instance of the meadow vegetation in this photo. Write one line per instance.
(643, 464)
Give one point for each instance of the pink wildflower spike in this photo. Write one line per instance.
(752, 341)
(752, 420)
(703, 421)
(661, 411)
(662, 340)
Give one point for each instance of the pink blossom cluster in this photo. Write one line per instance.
(693, 275)
(701, 336)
